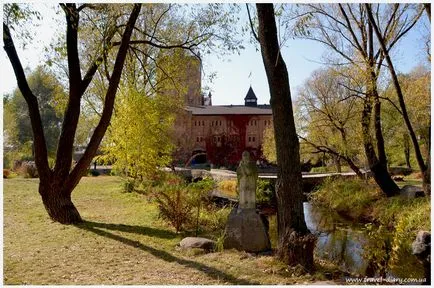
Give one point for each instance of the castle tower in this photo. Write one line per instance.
(193, 73)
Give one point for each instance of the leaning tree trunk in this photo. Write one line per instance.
(57, 203)
(379, 172)
(354, 167)
(295, 243)
(396, 84)
(377, 165)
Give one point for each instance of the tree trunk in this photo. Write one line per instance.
(427, 181)
(379, 172)
(406, 142)
(378, 132)
(396, 84)
(378, 166)
(354, 167)
(427, 7)
(58, 204)
(295, 243)
(337, 160)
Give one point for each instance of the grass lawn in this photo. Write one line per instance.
(121, 242)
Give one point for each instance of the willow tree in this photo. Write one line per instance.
(346, 30)
(331, 117)
(295, 242)
(423, 166)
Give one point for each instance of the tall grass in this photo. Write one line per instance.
(350, 197)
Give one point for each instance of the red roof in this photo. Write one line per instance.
(230, 110)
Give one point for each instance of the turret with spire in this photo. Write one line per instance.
(250, 99)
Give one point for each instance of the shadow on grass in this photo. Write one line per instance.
(142, 230)
(210, 271)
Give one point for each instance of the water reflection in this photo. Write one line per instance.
(349, 246)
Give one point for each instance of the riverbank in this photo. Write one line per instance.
(392, 223)
(364, 202)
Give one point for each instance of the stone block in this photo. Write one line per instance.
(246, 231)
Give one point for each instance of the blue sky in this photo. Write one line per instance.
(302, 57)
(232, 82)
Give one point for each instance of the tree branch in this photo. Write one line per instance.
(350, 29)
(72, 113)
(41, 155)
(251, 23)
(101, 128)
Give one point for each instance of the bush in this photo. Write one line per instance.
(6, 173)
(128, 185)
(214, 219)
(174, 206)
(203, 186)
(27, 170)
(265, 192)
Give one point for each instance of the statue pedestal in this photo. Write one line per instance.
(246, 231)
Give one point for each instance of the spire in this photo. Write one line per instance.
(250, 99)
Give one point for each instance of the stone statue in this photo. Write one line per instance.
(245, 229)
(247, 175)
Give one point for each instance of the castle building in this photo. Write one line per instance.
(219, 133)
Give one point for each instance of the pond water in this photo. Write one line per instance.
(349, 245)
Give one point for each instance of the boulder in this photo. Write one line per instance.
(411, 192)
(246, 231)
(400, 171)
(197, 242)
(421, 248)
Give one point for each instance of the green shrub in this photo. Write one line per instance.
(265, 192)
(174, 206)
(213, 219)
(198, 193)
(203, 186)
(128, 185)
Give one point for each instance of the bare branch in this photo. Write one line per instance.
(251, 23)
